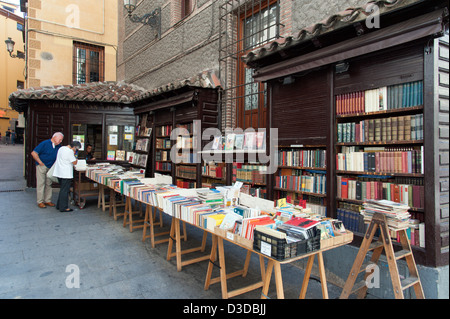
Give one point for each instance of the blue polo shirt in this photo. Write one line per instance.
(47, 153)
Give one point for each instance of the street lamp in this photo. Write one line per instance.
(152, 19)
(10, 48)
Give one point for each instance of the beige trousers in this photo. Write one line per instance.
(43, 185)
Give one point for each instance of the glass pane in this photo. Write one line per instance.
(250, 92)
(260, 27)
(81, 66)
(94, 67)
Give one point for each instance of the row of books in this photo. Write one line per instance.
(142, 144)
(163, 143)
(163, 166)
(303, 158)
(185, 157)
(185, 184)
(186, 171)
(311, 183)
(351, 218)
(164, 130)
(388, 161)
(352, 188)
(162, 156)
(214, 170)
(184, 142)
(255, 174)
(260, 192)
(380, 99)
(400, 128)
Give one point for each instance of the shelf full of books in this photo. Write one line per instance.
(301, 177)
(213, 174)
(253, 176)
(380, 153)
(186, 166)
(162, 149)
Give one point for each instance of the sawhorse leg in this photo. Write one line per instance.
(149, 222)
(322, 275)
(128, 214)
(217, 243)
(175, 236)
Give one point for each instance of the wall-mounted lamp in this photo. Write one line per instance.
(152, 19)
(10, 47)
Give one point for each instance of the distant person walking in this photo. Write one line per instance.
(13, 137)
(45, 156)
(7, 136)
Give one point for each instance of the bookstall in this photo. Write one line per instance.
(95, 113)
(281, 234)
(176, 111)
(365, 106)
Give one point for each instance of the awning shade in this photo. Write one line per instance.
(403, 32)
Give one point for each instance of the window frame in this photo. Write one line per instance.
(260, 110)
(101, 61)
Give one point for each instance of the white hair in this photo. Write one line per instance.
(58, 133)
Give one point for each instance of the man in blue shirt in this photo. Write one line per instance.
(45, 155)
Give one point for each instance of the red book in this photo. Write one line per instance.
(344, 187)
(302, 222)
(404, 162)
(396, 193)
(338, 104)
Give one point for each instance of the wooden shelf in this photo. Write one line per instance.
(380, 143)
(218, 178)
(380, 174)
(400, 111)
(250, 183)
(299, 192)
(189, 178)
(303, 167)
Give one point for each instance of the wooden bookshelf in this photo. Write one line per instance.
(394, 135)
(299, 169)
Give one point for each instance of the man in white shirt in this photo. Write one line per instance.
(65, 160)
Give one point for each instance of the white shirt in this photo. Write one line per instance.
(63, 164)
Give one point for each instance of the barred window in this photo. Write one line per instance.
(88, 63)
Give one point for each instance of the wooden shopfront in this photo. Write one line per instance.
(106, 124)
(313, 89)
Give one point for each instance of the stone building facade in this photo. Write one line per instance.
(197, 39)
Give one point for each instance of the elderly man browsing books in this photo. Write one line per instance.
(45, 156)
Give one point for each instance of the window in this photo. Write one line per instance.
(88, 63)
(256, 23)
(20, 85)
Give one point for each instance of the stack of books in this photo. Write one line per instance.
(211, 197)
(397, 214)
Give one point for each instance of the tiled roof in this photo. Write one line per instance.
(205, 79)
(331, 23)
(109, 91)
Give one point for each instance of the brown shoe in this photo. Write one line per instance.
(41, 205)
(50, 204)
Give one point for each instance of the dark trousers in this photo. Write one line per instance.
(63, 199)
